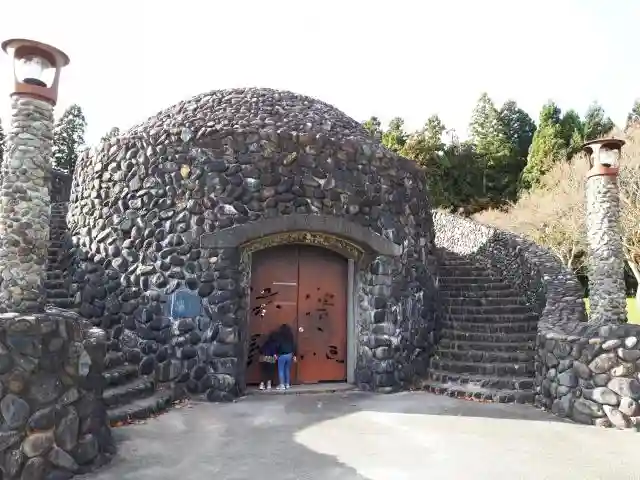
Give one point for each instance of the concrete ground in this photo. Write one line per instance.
(356, 435)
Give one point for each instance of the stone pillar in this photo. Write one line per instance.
(607, 296)
(25, 206)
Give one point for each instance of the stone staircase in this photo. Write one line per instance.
(487, 338)
(59, 291)
(129, 395)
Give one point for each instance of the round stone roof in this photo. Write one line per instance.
(251, 110)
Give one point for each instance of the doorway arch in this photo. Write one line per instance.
(305, 287)
(373, 261)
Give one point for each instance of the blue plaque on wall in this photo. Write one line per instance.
(184, 303)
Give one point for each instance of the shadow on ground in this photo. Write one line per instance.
(364, 436)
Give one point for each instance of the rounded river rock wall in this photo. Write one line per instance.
(54, 422)
(141, 203)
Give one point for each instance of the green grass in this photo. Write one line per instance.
(632, 310)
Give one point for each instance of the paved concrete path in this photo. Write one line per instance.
(364, 436)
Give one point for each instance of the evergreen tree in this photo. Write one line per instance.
(502, 138)
(506, 165)
(114, 132)
(486, 130)
(596, 125)
(633, 116)
(426, 147)
(518, 128)
(395, 138)
(572, 132)
(68, 136)
(424, 144)
(432, 135)
(547, 148)
(2, 141)
(373, 126)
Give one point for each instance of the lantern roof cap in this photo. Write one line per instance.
(618, 142)
(62, 59)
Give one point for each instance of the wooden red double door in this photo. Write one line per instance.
(306, 288)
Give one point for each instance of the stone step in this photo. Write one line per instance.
(114, 359)
(484, 301)
(462, 270)
(141, 408)
(497, 346)
(492, 317)
(128, 392)
(57, 284)
(495, 328)
(466, 392)
(467, 336)
(57, 293)
(499, 310)
(485, 356)
(477, 287)
(473, 280)
(476, 294)
(64, 303)
(120, 375)
(54, 275)
(496, 369)
(514, 382)
(454, 259)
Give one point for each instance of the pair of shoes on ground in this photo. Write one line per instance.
(284, 387)
(262, 387)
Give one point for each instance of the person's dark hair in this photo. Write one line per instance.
(285, 332)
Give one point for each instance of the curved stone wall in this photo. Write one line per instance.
(584, 372)
(169, 206)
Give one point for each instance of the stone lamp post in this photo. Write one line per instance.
(26, 175)
(607, 295)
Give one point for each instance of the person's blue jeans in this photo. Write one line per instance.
(284, 368)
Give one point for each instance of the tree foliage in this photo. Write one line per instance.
(548, 146)
(633, 117)
(114, 132)
(68, 137)
(596, 124)
(518, 128)
(373, 126)
(395, 138)
(506, 156)
(487, 132)
(551, 214)
(2, 141)
(629, 184)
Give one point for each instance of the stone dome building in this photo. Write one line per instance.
(201, 230)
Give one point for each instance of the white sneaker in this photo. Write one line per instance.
(269, 385)
(281, 387)
(261, 387)
(287, 387)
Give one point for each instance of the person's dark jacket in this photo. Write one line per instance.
(270, 345)
(285, 341)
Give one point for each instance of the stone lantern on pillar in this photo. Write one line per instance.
(607, 295)
(26, 175)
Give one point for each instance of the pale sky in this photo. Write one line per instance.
(408, 58)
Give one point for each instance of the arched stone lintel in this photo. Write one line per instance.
(339, 245)
(353, 236)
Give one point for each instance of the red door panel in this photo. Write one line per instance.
(322, 312)
(274, 295)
